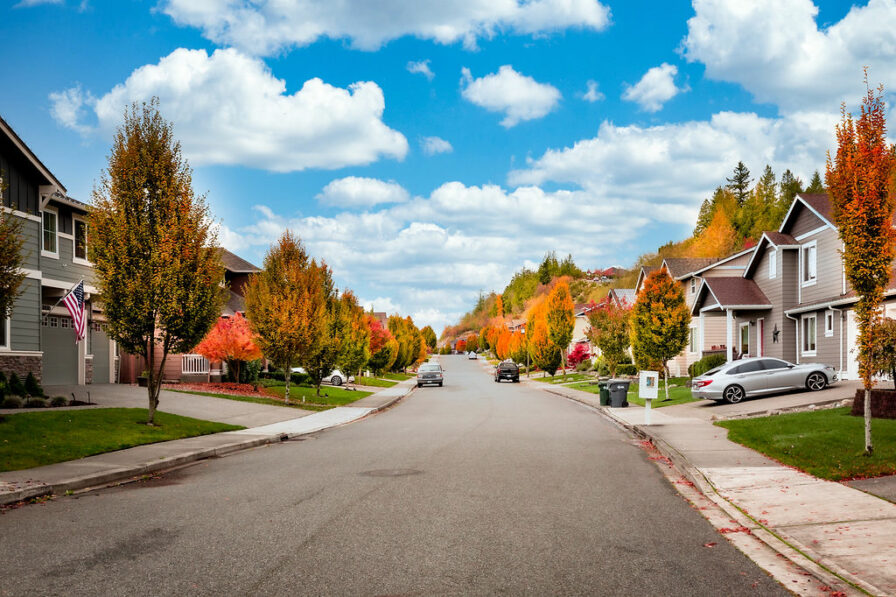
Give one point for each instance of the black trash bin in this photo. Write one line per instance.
(619, 392)
(604, 392)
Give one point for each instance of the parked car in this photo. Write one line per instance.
(757, 376)
(430, 373)
(507, 370)
(336, 377)
(471, 355)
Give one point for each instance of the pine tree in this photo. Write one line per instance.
(739, 183)
(815, 184)
(790, 186)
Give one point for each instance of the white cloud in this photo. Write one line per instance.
(228, 108)
(592, 94)
(655, 88)
(518, 96)
(353, 191)
(266, 27)
(30, 3)
(776, 51)
(434, 145)
(680, 164)
(421, 68)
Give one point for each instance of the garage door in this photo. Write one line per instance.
(60, 362)
(99, 345)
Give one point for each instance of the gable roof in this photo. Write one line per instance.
(623, 296)
(680, 267)
(236, 264)
(776, 239)
(731, 293)
(646, 270)
(16, 142)
(818, 203)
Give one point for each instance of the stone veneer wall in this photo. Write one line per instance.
(21, 366)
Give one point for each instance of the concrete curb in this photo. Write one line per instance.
(123, 473)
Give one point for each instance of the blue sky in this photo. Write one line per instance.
(426, 150)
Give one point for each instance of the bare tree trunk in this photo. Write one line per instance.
(150, 382)
(666, 378)
(869, 448)
(287, 375)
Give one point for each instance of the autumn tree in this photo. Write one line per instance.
(859, 179)
(383, 347)
(460, 345)
(718, 239)
(230, 341)
(610, 332)
(330, 348)
(503, 349)
(154, 246)
(430, 336)
(549, 268)
(286, 306)
(407, 335)
(579, 353)
(545, 354)
(885, 349)
(518, 347)
(11, 256)
(356, 348)
(473, 343)
(660, 321)
(561, 319)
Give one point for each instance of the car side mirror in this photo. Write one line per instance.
(791, 366)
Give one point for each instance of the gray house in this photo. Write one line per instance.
(39, 337)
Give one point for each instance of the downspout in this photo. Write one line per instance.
(729, 319)
(839, 341)
(796, 323)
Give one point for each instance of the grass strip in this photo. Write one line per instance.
(828, 444)
(262, 399)
(398, 376)
(329, 395)
(40, 438)
(570, 377)
(374, 382)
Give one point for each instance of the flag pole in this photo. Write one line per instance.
(61, 299)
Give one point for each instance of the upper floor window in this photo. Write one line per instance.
(828, 323)
(80, 240)
(693, 285)
(50, 239)
(772, 264)
(808, 262)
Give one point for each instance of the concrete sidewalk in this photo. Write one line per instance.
(843, 536)
(94, 471)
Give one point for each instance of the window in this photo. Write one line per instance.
(80, 240)
(692, 346)
(744, 339)
(4, 334)
(693, 285)
(828, 323)
(751, 367)
(772, 264)
(808, 256)
(810, 323)
(774, 364)
(50, 244)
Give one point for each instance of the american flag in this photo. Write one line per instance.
(74, 302)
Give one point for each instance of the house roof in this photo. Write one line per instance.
(624, 295)
(234, 303)
(646, 270)
(236, 264)
(817, 203)
(29, 155)
(778, 239)
(732, 293)
(679, 267)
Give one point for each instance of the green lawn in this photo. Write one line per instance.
(678, 394)
(40, 438)
(570, 377)
(827, 443)
(374, 382)
(329, 395)
(398, 376)
(262, 400)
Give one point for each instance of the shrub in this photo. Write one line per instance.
(626, 369)
(11, 402)
(584, 365)
(706, 363)
(35, 402)
(32, 388)
(16, 387)
(59, 401)
(300, 379)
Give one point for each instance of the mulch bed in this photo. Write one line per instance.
(236, 389)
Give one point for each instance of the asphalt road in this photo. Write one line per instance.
(470, 489)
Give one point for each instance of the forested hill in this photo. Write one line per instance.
(734, 217)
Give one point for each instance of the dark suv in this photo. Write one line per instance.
(507, 370)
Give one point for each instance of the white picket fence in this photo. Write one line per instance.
(194, 364)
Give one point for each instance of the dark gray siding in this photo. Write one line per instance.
(25, 322)
(64, 268)
(21, 190)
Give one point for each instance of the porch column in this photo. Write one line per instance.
(729, 334)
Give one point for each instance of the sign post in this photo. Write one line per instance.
(648, 390)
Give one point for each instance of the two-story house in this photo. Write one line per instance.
(793, 300)
(39, 337)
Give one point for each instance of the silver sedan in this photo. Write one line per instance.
(757, 376)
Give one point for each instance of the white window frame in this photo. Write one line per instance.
(740, 339)
(806, 326)
(829, 323)
(694, 340)
(804, 263)
(773, 264)
(6, 335)
(693, 285)
(75, 258)
(43, 250)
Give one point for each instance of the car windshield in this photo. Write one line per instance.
(430, 368)
(712, 371)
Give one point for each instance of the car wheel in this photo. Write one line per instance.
(816, 381)
(440, 384)
(419, 385)
(733, 394)
(336, 380)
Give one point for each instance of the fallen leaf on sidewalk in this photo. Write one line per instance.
(710, 544)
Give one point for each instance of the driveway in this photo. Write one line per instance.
(710, 410)
(234, 412)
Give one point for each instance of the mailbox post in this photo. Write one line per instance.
(648, 390)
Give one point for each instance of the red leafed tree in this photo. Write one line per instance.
(460, 346)
(229, 341)
(578, 354)
(378, 334)
(860, 183)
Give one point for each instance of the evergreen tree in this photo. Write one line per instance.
(704, 217)
(790, 186)
(548, 268)
(761, 210)
(739, 183)
(815, 185)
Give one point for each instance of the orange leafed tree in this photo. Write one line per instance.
(503, 349)
(230, 341)
(719, 238)
(460, 346)
(860, 183)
